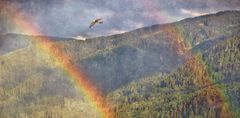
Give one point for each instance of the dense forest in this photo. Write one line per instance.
(206, 85)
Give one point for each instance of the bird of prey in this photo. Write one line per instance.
(96, 21)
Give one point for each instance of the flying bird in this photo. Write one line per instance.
(96, 21)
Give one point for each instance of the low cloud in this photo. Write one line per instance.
(191, 12)
(115, 31)
(80, 38)
(139, 24)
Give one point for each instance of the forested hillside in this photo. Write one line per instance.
(207, 85)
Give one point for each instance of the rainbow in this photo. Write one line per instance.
(92, 94)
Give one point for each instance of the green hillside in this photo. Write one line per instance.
(35, 87)
(207, 85)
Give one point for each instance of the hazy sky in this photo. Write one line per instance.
(69, 18)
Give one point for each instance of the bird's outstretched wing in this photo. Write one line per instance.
(92, 24)
(99, 20)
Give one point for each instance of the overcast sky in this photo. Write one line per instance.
(70, 18)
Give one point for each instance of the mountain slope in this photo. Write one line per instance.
(205, 86)
(32, 86)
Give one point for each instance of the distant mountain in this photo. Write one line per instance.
(11, 42)
(111, 62)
